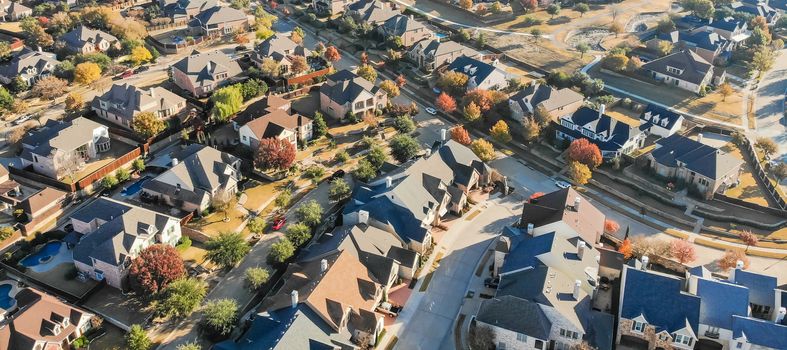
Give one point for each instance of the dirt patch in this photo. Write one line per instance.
(639, 23)
(541, 53)
(590, 36)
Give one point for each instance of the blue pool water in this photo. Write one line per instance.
(6, 301)
(48, 250)
(441, 35)
(135, 187)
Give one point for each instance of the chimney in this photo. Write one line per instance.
(40, 50)
(388, 182)
(294, 298)
(780, 315)
(577, 200)
(323, 265)
(153, 92)
(412, 17)
(645, 261)
(443, 133)
(699, 137)
(363, 217)
(174, 161)
(208, 66)
(738, 266)
(530, 229)
(580, 249)
(602, 109)
(577, 285)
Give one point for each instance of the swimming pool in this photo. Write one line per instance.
(135, 187)
(441, 35)
(6, 300)
(42, 255)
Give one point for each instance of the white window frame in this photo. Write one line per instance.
(638, 327)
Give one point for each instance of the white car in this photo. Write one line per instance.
(431, 110)
(22, 119)
(562, 184)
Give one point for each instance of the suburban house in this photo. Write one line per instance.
(13, 11)
(219, 21)
(731, 29)
(703, 168)
(613, 137)
(201, 73)
(114, 233)
(545, 291)
(330, 7)
(660, 121)
(85, 40)
(566, 212)
(415, 198)
(698, 310)
(757, 8)
(327, 303)
(279, 125)
(197, 174)
(281, 49)
(373, 12)
(405, 27)
(42, 321)
(28, 65)
(122, 102)
(185, 9)
(344, 92)
(706, 43)
(556, 102)
(430, 54)
(684, 69)
(61, 148)
(480, 75)
(41, 207)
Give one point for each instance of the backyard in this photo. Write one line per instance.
(748, 189)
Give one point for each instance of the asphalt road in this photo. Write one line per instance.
(769, 105)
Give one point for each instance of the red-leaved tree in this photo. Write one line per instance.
(748, 238)
(484, 99)
(274, 154)
(585, 152)
(530, 5)
(731, 258)
(154, 268)
(683, 251)
(611, 226)
(332, 54)
(445, 102)
(626, 249)
(460, 134)
(401, 81)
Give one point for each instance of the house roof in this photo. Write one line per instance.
(698, 157)
(705, 39)
(41, 199)
(38, 316)
(115, 240)
(196, 176)
(61, 135)
(280, 46)
(660, 300)
(545, 95)
(556, 206)
(345, 86)
(128, 100)
(720, 301)
(200, 68)
(660, 116)
(475, 70)
(82, 35)
(15, 9)
(615, 133)
(177, 8)
(693, 67)
(760, 332)
(273, 123)
(761, 287)
(517, 315)
(372, 11)
(218, 15)
(437, 48)
(728, 24)
(399, 24)
(27, 58)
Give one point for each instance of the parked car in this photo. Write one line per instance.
(492, 282)
(127, 74)
(141, 69)
(431, 110)
(278, 223)
(23, 119)
(240, 48)
(562, 184)
(337, 174)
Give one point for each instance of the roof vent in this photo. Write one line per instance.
(323, 265)
(388, 182)
(174, 161)
(294, 298)
(577, 200)
(530, 228)
(577, 285)
(645, 261)
(699, 137)
(601, 110)
(580, 249)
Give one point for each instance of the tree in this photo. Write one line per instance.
(147, 124)
(460, 134)
(767, 146)
(310, 213)
(296, 38)
(298, 233)
(220, 315)
(666, 25)
(255, 277)
(404, 124)
(626, 249)
(314, 172)
(5, 50)
(683, 250)
(281, 251)
(332, 54)
(616, 28)
(221, 201)
(86, 73)
(500, 132)
(472, 112)
(390, 88)
(611, 226)
(367, 72)
(664, 47)
(74, 103)
(762, 60)
(649, 246)
(341, 157)
(445, 103)
(140, 55)
(483, 149)
(6, 232)
(274, 154)
(299, 65)
(227, 249)
(466, 4)
(481, 337)
(730, 259)
(189, 346)
(530, 5)
(109, 181)
(703, 9)
(759, 37)
(583, 48)
(585, 152)
(484, 99)
(154, 268)
(582, 8)
(270, 67)
(496, 7)
(452, 82)
(748, 238)
(633, 64)
(401, 81)
(283, 199)
(49, 87)
(364, 171)
(263, 33)
(138, 164)
(181, 297)
(616, 62)
(404, 147)
(137, 339)
(780, 171)
(530, 129)
(240, 38)
(376, 156)
(35, 35)
(725, 89)
(553, 10)
(339, 190)
(579, 172)
(319, 127)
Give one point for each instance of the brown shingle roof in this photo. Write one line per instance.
(277, 117)
(586, 220)
(41, 200)
(39, 314)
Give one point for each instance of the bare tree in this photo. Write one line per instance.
(221, 201)
(614, 11)
(69, 165)
(481, 338)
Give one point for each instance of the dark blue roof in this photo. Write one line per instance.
(662, 113)
(720, 301)
(472, 67)
(729, 24)
(691, 22)
(761, 287)
(403, 222)
(524, 251)
(587, 117)
(760, 332)
(659, 298)
(266, 332)
(696, 156)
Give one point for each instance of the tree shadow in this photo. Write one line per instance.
(559, 20)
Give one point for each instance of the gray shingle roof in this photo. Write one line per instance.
(551, 98)
(81, 35)
(400, 24)
(218, 15)
(694, 67)
(59, 135)
(345, 86)
(27, 58)
(517, 315)
(278, 47)
(372, 11)
(202, 67)
(703, 159)
(128, 100)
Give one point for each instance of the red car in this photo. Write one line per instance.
(278, 223)
(127, 74)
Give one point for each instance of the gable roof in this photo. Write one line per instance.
(39, 314)
(761, 287)
(200, 68)
(696, 156)
(272, 124)
(694, 67)
(615, 133)
(14, 8)
(556, 206)
(475, 70)
(280, 46)
(542, 94)
(728, 24)
(400, 24)
(659, 299)
(60, 135)
(760, 332)
(82, 35)
(659, 116)
(345, 86)
(42, 199)
(517, 315)
(720, 301)
(218, 15)
(128, 100)
(372, 11)
(437, 48)
(27, 58)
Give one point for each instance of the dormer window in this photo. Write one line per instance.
(683, 339)
(638, 327)
(674, 70)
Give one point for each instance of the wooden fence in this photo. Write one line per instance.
(762, 176)
(119, 162)
(307, 78)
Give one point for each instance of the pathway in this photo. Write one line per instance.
(769, 105)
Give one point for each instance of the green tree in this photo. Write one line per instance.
(298, 233)
(283, 199)
(227, 250)
(148, 124)
(138, 164)
(530, 130)
(500, 132)
(404, 147)
(581, 8)
(365, 171)
(310, 213)
(189, 346)
(19, 85)
(255, 277)
(376, 156)
(281, 251)
(220, 315)
(404, 124)
(341, 157)
(762, 60)
(140, 55)
(553, 10)
(137, 339)
(109, 181)
(256, 225)
(390, 88)
(122, 175)
(339, 190)
(583, 48)
(320, 128)
(226, 102)
(6, 100)
(6, 232)
(367, 72)
(181, 297)
(472, 112)
(615, 62)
